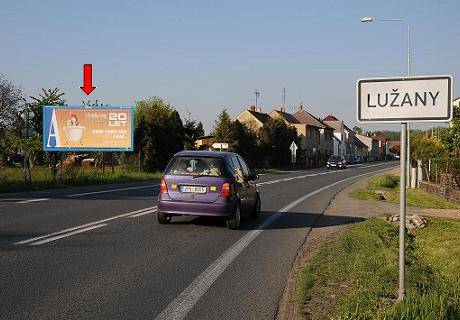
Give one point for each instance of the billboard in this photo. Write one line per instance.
(79, 128)
(405, 99)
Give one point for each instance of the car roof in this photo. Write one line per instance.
(204, 153)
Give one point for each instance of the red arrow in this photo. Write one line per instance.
(87, 79)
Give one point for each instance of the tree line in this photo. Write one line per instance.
(159, 132)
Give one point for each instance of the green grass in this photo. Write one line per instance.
(355, 276)
(390, 185)
(365, 194)
(384, 182)
(42, 178)
(423, 199)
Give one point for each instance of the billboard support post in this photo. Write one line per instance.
(402, 211)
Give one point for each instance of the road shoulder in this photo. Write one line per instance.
(324, 231)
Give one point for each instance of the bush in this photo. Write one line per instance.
(387, 181)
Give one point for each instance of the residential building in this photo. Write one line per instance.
(204, 142)
(308, 133)
(372, 147)
(383, 146)
(325, 146)
(344, 143)
(253, 118)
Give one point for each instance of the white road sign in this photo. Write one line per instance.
(405, 99)
(220, 145)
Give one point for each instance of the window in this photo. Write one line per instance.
(244, 166)
(203, 166)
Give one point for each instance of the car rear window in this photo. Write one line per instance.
(202, 166)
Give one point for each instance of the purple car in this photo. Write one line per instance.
(208, 183)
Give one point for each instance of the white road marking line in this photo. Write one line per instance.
(33, 200)
(67, 234)
(111, 190)
(84, 225)
(180, 307)
(142, 213)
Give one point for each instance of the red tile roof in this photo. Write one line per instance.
(307, 118)
(287, 116)
(330, 117)
(262, 117)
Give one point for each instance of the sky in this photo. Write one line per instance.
(204, 56)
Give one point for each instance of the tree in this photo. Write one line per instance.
(192, 130)
(276, 138)
(158, 133)
(428, 149)
(10, 103)
(10, 121)
(357, 129)
(244, 142)
(47, 97)
(451, 136)
(222, 131)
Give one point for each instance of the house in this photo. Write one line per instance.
(344, 143)
(372, 146)
(456, 102)
(383, 146)
(308, 133)
(204, 142)
(253, 118)
(325, 145)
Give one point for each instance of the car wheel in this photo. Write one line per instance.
(234, 221)
(163, 218)
(255, 213)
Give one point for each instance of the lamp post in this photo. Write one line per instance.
(26, 115)
(404, 171)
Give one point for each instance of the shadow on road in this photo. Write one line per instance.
(285, 220)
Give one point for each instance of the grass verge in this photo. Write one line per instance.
(388, 184)
(355, 276)
(42, 178)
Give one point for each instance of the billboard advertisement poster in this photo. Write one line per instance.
(79, 128)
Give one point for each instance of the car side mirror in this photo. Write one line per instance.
(253, 176)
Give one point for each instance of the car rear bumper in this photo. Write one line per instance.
(216, 209)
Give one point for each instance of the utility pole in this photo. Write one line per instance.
(284, 98)
(257, 94)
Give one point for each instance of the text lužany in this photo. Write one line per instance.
(400, 99)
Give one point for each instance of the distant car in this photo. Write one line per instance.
(336, 162)
(208, 183)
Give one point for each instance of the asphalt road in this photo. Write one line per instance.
(99, 253)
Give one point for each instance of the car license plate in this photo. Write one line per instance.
(193, 189)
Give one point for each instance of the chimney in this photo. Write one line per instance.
(301, 107)
(282, 109)
(252, 108)
(259, 109)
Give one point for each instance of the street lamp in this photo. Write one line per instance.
(27, 114)
(405, 162)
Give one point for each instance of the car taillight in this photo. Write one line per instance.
(226, 190)
(163, 187)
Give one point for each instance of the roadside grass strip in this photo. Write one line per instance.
(355, 276)
(182, 304)
(85, 227)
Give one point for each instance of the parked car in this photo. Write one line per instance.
(336, 162)
(208, 183)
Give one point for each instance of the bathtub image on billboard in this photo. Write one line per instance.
(77, 128)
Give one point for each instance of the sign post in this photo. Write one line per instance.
(293, 149)
(404, 100)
